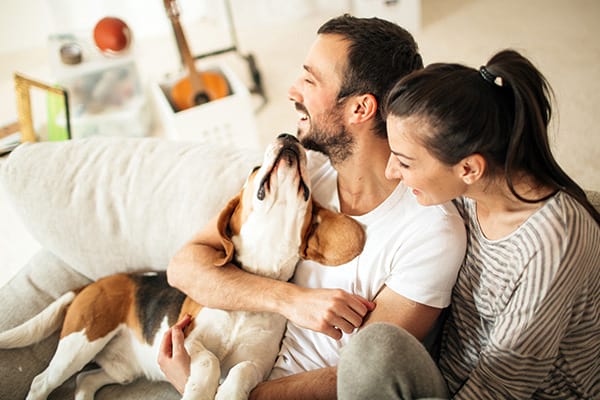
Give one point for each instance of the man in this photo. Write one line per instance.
(408, 267)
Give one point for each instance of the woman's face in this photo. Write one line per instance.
(432, 181)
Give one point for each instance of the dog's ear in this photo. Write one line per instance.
(332, 238)
(225, 230)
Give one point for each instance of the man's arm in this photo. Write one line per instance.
(318, 384)
(192, 270)
(392, 308)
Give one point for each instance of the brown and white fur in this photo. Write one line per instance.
(119, 320)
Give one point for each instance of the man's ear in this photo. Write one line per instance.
(332, 238)
(472, 168)
(225, 227)
(364, 108)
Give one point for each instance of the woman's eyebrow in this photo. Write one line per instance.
(396, 153)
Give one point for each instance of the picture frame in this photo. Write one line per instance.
(23, 86)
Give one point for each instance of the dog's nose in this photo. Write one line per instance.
(287, 136)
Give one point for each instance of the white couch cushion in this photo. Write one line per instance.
(113, 205)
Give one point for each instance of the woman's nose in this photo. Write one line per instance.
(392, 170)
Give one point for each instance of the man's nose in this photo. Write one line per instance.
(294, 94)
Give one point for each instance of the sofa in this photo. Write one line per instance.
(101, 206)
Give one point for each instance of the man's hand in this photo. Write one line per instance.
(173, 358)
(329, 311)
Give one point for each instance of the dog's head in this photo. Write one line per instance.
(273, 221)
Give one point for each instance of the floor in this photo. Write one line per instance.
(560, 37)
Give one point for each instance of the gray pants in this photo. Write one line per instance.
(385, 362)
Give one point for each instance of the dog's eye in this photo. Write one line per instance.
(255, 168)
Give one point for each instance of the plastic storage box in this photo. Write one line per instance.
(105, 94)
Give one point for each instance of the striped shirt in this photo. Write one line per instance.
(525, 320)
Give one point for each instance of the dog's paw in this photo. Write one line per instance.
(198, 390)
(39, 389)
(84, 396)
(229, 393)
(240, 380)
(196, 396)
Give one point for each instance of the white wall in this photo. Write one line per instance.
(27, 23)
(23, 23)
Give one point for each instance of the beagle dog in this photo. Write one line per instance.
(119, 321)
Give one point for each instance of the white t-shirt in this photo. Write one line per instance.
(414, 250)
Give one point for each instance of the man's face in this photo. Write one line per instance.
(321, 124)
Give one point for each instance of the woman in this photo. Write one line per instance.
(525, 316)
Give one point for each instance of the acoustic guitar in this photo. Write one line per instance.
(197, 87)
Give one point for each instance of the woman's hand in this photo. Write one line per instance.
(173, 358)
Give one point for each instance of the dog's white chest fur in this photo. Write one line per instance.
(275, 257)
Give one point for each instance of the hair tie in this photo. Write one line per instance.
(491, 78)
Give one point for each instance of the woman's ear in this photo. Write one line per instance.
(364, 108)
(472, 168)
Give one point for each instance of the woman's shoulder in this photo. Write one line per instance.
(563, 231)
(566, 214)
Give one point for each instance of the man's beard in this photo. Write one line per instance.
(328, 136)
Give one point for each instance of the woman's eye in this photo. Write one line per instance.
(403, 165)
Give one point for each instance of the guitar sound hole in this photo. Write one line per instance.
(201, 98)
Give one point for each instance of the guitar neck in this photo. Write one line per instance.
(183, 47)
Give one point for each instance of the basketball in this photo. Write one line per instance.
(112, 35)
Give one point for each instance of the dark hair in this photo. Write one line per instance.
(501, 111)
(380, 52)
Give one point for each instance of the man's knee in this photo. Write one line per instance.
(384, 361)
(380, 345)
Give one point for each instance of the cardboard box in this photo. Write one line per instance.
(227, 120)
